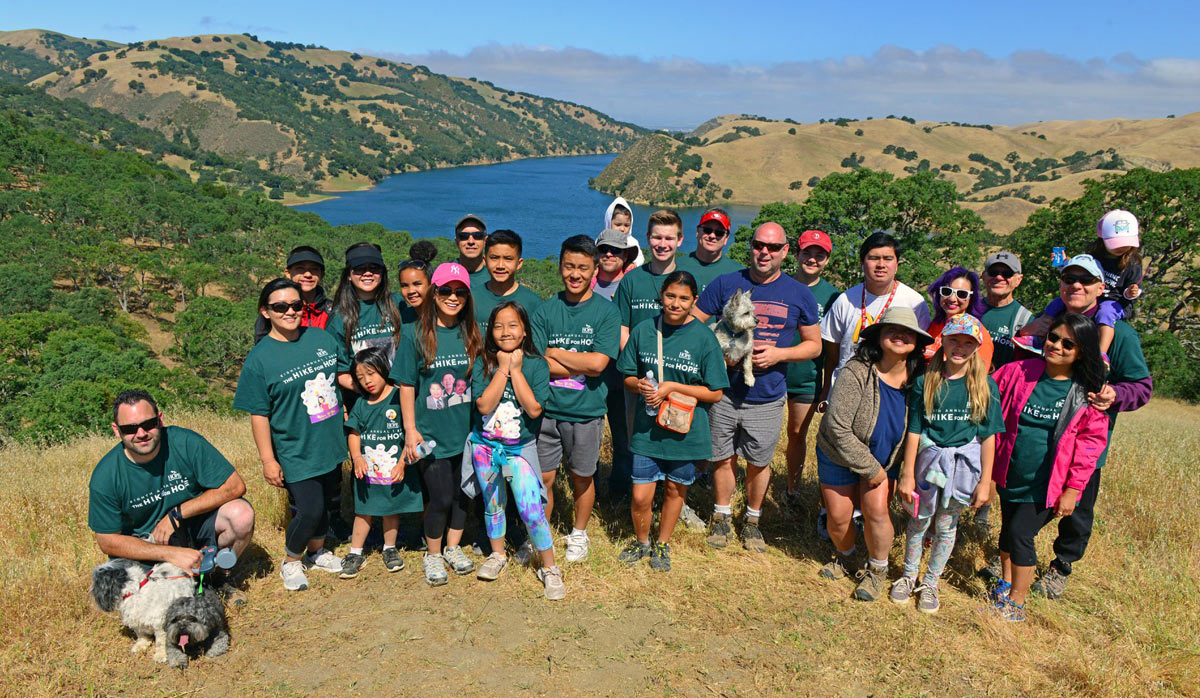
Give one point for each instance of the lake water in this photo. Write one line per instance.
(543, 199)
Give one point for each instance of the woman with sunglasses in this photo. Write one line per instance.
(1052, 442)
(954, 293)
(365, 313)
(287, 386)
(440, 351)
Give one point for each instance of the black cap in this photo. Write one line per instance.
(304, 254)
(469, 218)
(359, 256)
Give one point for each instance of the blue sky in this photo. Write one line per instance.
(677, 64)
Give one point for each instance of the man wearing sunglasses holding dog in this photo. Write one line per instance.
(164, 492)
(470, 236)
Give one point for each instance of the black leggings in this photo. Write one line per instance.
(311, 519)
(1019, 526)
(441, 488)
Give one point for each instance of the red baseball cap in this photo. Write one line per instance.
(815, 237)
(715, 216)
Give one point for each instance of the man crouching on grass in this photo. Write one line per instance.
(164, 492)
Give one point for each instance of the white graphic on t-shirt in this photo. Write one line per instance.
(380, 461)
(320, 398)
(504, 424)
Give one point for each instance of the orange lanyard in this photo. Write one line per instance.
(862, 321)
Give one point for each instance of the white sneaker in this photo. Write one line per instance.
(293, 575)
(324, 560)
(691, 520)
(524, 553)
(552, 583)
(577, 547)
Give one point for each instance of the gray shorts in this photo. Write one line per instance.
(749, 430)
(580, 441)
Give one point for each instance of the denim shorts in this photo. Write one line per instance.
(647, 470)
(834, 475)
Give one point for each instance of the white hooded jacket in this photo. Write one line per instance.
(608, 214)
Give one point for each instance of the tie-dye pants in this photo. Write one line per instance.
(526, 485)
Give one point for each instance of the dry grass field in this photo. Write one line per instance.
(721, 623)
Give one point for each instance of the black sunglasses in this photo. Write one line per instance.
(447, 291)
(1057, 338)
(1001, 271)
(1084, 279)
(713, 230)
(961, 293)
(364, 268)
(609, 249)
(472, 236)
(281, 307)
(131, 429)
(769, 246)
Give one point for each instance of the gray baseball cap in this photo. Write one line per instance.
(470, 217)
(615, 238)
(1008, 259)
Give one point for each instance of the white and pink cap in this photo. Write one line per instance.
(1117, 229)
(450, 272)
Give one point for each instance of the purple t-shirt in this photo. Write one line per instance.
(782, 306)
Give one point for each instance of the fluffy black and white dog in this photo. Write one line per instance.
(161, 607)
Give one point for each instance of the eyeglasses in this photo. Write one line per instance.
(281, 307)
(456, 291)
(1083, 279)
(771, 247)
(471, 236)
(713, 230)
(1001, 271)
(1057, 338)
(131, 429)
(364, 268)
(609, 249)
(960, 293)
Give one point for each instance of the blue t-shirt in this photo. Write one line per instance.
(782, 306)
(889, 425)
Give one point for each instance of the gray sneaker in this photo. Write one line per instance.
(871, 582)
(1051, 584)
(524, 553)
(492, 567)
(719, 531)
(293, 575)
(993, 571)
(927, 598)
(837, 568)
(902, 590)
(660, 557)
(689, 518)
(552, 583)
(752, 538)
(392, 560)
(323, 560)
(458, 560)
(435, 570)
(633, 553)
(351, 564)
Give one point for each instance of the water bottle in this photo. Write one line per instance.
(652, 411)
(426, 448)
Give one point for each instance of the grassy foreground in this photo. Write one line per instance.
(721, 623)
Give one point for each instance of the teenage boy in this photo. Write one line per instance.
(502, 258)
(469, 235)
(709, 260)
(637, 294)
(306, 267)
(578, 332)
(805, 378)
(1004, 315)
(748, 419)
(617, 252)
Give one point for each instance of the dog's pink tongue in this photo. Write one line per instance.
(183, 640)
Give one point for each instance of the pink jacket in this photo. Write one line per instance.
(1077, 447)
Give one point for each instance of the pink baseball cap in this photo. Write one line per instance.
(1118, 228)
(815, 237)
(449, 272)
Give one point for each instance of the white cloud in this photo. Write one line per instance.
(943, 83)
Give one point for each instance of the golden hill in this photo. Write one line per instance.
(1003, 172)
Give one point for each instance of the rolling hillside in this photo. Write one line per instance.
(316, 118)
(1003, 172)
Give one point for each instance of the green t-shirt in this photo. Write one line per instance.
(804, 377)
(704, 272)
(508, 422)
(1033, 449)
(131, 498)
(408, 314)
(443, 391)
(381, 431)
(950, 424)
(373, 331)
(294, 385)
(485, 300)
(692, 356)
(1002, 323)
(590, 326)
(1126, 364)
(637, 296)
(478, 278)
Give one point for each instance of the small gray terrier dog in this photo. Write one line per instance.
(162, 608)
(735, 332)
